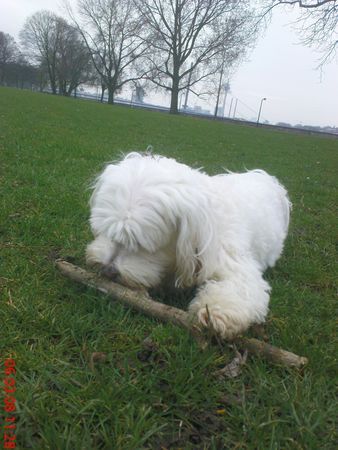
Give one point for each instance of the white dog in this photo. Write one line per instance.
(155, 219)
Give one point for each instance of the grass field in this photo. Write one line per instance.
(50, 150)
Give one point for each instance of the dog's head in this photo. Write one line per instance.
(151, 219)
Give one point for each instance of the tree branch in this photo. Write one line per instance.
(305, 5)
(141, 301)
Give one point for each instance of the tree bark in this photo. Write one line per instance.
(141, 301)
(103, 88)
(52, 82)
(111, 93)
(174, 95)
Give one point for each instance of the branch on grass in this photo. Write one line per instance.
(141, 301)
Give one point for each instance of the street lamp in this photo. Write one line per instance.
(260, 109)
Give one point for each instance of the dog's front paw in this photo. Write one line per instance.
(217, 320)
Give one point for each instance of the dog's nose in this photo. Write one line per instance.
(110, 272)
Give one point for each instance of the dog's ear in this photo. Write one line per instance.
(195, 249)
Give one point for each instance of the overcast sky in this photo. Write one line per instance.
(279, 69)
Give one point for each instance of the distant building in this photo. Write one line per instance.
(284, 124)
(138, 95)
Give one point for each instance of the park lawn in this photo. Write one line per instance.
(51, 148)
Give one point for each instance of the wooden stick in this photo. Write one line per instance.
(141, 301)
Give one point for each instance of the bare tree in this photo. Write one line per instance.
(22, 74)
(14, 69)
(72, 58)
(9, 52)
(187, 38)
(40, 38)
(317, 25)
(112, 31)
(58, 49)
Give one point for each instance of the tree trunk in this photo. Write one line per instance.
(174, 97)
(103, 88)
(53, 86)
(52, 78)
(111, 93)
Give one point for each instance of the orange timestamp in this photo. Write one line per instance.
(9, 404)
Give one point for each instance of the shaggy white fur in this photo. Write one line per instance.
(154, 218)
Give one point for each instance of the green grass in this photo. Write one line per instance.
(50, 150)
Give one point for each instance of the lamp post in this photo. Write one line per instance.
(235, 109)
(260, 109)
(219, 88)
(188, 88)
(230, 107)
